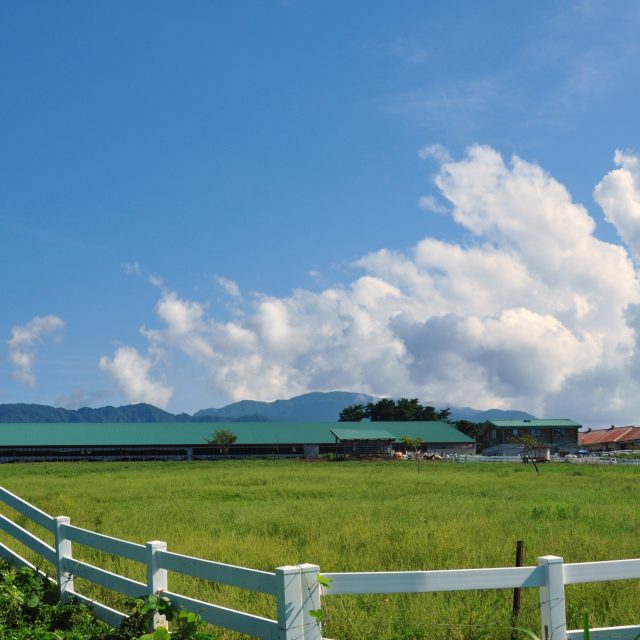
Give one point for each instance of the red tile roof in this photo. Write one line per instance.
(603, 436)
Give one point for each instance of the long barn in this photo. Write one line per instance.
(190, 440)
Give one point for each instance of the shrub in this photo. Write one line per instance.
(30, 610)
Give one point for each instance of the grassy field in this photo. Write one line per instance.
(360, 516)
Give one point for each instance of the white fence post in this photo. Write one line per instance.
(156, 578)
(63, 550)
(289, 600)
(311, 592)
(552, 604)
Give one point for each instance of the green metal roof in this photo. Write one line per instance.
(195, 433)
(435, 432)
(559, 423)
(362, 434)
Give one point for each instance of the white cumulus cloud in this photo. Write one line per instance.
(619, 196)
(131, 371)
(533, 311)
(24, 341)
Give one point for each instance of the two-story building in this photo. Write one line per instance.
(555, 436)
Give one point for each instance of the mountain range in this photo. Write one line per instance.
(309, 407)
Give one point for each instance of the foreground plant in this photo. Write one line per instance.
(585, 624)
(185, 625)
(30, 609)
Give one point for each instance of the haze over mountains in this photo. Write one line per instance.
(310, 407)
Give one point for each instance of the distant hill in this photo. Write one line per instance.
(309, 407)
(476, 415)
(129, 413)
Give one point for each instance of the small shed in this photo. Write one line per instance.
(363, 442)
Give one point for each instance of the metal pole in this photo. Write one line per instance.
(515, 612)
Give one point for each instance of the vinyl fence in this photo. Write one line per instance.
(299, 589)
(605, 460)
(480, 458)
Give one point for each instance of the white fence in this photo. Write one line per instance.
(297, 589)
(480, 458)
(603, 459)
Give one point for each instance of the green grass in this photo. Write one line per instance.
(359, 516)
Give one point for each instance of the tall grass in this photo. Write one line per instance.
(360, 516)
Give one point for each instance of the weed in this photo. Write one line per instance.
(186, 625)
(30, 610)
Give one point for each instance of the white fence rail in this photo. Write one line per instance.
(603, 459)
(297, 589)
(481, 458)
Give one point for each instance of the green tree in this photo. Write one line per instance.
(408, 410)
(224, 439)
(428, 413)
(353, 413)
(529, 444)
(414, 444)
(471, 429)
(388, 410)
(382, 411)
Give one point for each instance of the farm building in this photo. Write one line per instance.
(611, 439)
(363, 442)
(555, 435)
(179, 441)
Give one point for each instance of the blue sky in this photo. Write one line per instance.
(202, 202)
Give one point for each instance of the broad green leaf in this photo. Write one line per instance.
(161, 634)
(317, 614)
(33, 601)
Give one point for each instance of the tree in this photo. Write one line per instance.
(224, 439)
(428, 413)
(529, 444)
(414, 444)
(408, 410)
(352, 413)
(388, 410)
(382, 411)
(471, 429)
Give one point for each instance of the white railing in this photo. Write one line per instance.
(550, 576)
(287, 584)
(481, 458)
(299, 589)
(606, 460)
